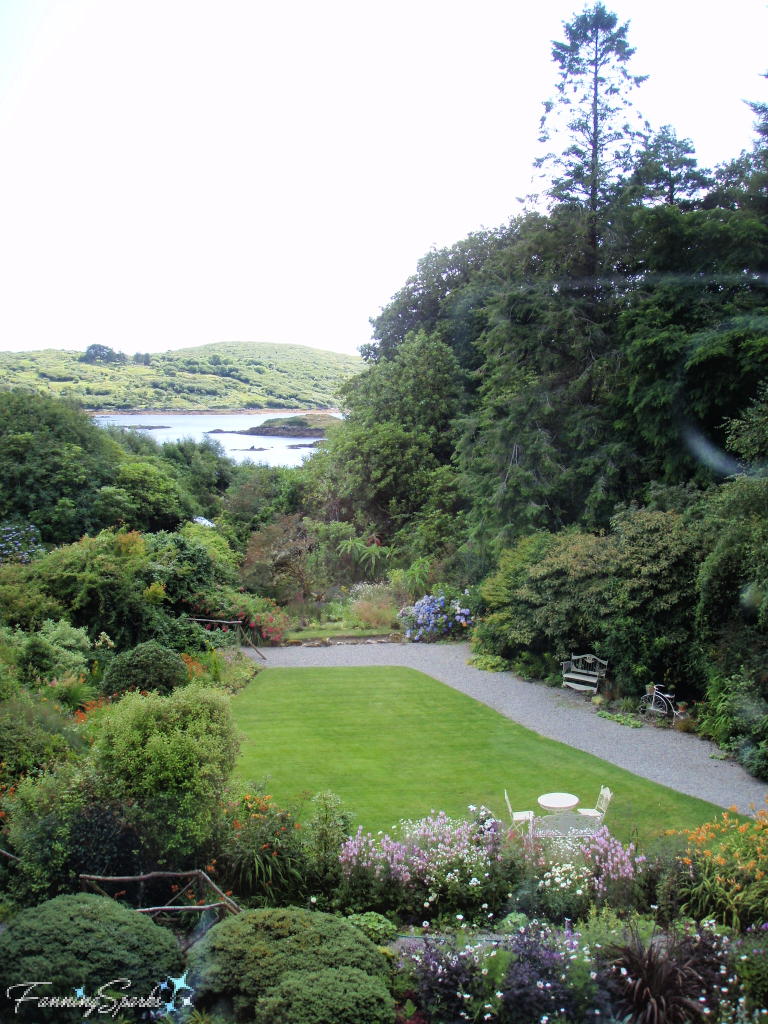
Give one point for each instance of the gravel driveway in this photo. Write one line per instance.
(679, 760)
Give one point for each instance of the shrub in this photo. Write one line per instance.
(451, 983)
(172, 756)
(436, 617)
(73, 692)
(41, 811)
(332, 996)
(750, 962)
(36, 736)
(244, 957)
(263, 851)
(728, 871)
(630, 593)
(613, 867)
(149, 666)
(535, 985)
(669, 983)
(259, 616)
(19, 542)
(56, 649)
(378, 928)
(565, 891)
(326, 831)
(84, 941)
(735, 715)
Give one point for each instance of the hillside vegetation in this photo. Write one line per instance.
(237, 375)
(314, 424)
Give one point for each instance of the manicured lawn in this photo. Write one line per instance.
(395, 743)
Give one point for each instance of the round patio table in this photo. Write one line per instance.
(558, 801)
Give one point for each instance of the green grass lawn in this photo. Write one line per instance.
(395, 743)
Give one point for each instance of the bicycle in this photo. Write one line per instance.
(660, 703)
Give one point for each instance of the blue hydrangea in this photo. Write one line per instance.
(431, 618)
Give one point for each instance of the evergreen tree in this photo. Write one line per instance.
(593, 102)
(667, 170)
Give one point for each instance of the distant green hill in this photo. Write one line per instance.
(237, 375)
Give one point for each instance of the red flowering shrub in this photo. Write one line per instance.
(260, 616)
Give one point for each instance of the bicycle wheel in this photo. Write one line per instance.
(660, 704)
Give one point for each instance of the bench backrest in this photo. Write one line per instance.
(589, 663)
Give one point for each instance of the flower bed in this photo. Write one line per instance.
(437, 866)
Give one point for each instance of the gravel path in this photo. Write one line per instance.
(679, 760)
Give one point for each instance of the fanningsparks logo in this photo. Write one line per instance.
(165, 998)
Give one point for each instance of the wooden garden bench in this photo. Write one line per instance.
(584, 672)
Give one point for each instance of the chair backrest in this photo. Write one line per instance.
(603, 800)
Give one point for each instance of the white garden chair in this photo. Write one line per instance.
(597, 813)
(519, 818)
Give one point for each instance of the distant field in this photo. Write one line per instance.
(243, 375)
(395, 743)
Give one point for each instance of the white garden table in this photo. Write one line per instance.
(558, 801)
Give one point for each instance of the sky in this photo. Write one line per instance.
(178, 173)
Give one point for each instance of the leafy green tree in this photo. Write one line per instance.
(748, 434)
(419, 388)
(203, 470)
(444, 296)
(53, 460)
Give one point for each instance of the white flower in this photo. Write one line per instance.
(459, 917)
(425, 924)
(313, 899)
(427, 905)
(485, 970)
(484, 906)
(499, 995)
(593, 975)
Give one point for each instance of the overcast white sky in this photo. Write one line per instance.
(176, 173)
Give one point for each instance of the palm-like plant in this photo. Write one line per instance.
(417, 577)
(672, 981)
(374, 555)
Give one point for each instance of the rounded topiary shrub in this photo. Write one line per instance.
(83, 941)
(378, 928)
(243, 958)
(149, 666)
(341, 995)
